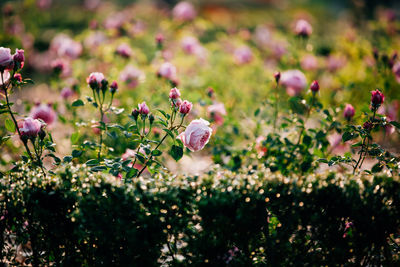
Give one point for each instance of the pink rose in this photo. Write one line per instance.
(19, 57)
(185, 107)
(243, 55)
(174, 93)
(303, 28)
(217, 112)
(45, 112)
(131, 75)
(184, 11)
(30, 127)
(196, 135)
(294, 81)
(67, 92)
(94, 80)
(348, 112)
(6, 59)
(124, 50)
(190, 45)
(143, 108)
(377, 98)
(167, 70)
(309, 62)
(334, 63)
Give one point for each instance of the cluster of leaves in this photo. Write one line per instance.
(239, 218)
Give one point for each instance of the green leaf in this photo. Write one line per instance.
(77, 153)
(92, 162)
(77, 103)
(256, 112)
(349, 136)
(98, 168)
(131, 173)
(67, 159)
(10, 126)
(156, 153)
(74, 138)
(176, 152)
(169, 133)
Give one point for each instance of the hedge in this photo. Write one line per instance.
(252, 218)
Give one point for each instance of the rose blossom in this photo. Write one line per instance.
(348, 112)
(243, 55)
(124, 50)
(6, 59)
(190, 45)
(309, 62)
(143, 108)
(294, 81)
(132, 76)
(184, 11)
(30, 127)
(167, 70)
(44, 112)
(94, 80)
(303, 28)
(185, 107)
(377, 98)
(216, 111)
(196, 135)
(174, 93)
(67, 92)
(19, 57)
(314, 86)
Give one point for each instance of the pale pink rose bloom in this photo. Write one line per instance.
(45, 112)
(303, 28)
(132, 76)
(185, 107)
(124, 50)
(143, 108)
(95, 77)
(174, 93)
(294, 81)
(167, 70)
(184, 11)
(243, 55)
(196, 135)
(115, 20)
(190, 44)
(217, 112)
(278, 48)
(6, 77)
(30, 127)
(349, 111)
(70, 48)
(6, 59)
(334, 62)
(262, 36)
(67, 92)
(309, 62)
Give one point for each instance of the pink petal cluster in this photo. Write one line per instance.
(185, 107)
(45, 112)
(30, 127)
(167, 70)
(6, 59)
(143, 108)
(309, 62)
(243, 55)
(131, 75)
(294, 81)
(217, 112)
(184, 11)
(64, 46)
(303, 28)
(196, 135)
(95, 78)
(349, 112)
(124, 50)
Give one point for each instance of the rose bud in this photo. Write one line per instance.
(45, 112)
(58, 66)
(135, 114)
(159, 40)
(367, 125)
(377, 98)
(176, 102)
(277, 76)
(113, 87)
(185, 107)
(95, 80)
(174, 93)
(348, 112)
(210, 92)
(30, 128)
(19, 58)
(196, 135)
(18, 77)
(314, 87)
(6, 59)
(303, 28)
(143, 108)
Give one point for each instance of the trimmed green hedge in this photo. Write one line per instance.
(254, 218)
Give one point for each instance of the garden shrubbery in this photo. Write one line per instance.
(253, 217)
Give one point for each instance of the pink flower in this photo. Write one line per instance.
(45, 112)
(6, 59)
(334, 63)
(19, 57)
(94, 80)
(184, 11)
(67, 92)
(262, 36)
(185, 107)
(167, 70)
(260, 147)
(124, 50)
(174, 93)
(303, 28)
(190, 45)
(69, 48)
(196, 135)
(217, 112)
(377, 98)
(30, 127)
(348, 112)
(243, 55)
(314, 87)
(132, 76)
(113, 87)
(294, 81)
(18, 77)
(309, 62)
(143, 108)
